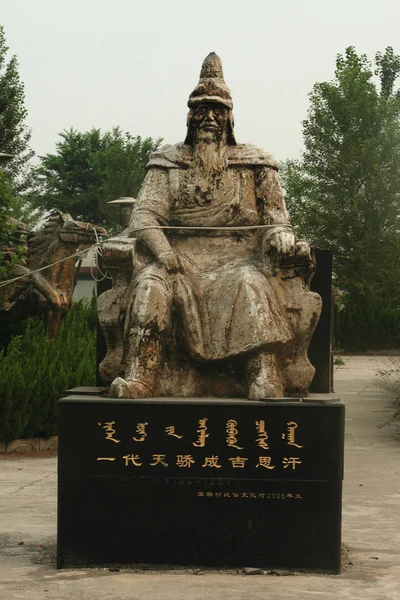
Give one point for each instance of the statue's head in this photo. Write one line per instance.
(210, 116)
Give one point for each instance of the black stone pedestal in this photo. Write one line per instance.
(207, 482)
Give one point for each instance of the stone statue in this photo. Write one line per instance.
(210, 287)
(48, 292)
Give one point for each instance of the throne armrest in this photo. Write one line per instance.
(123, 257)
(119, 253)
(302, 262)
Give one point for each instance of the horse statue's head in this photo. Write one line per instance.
(77, 233)
(61, 234)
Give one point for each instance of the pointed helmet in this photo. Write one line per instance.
(211, 86)
(211, 89)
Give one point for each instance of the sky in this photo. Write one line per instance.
(103, 63)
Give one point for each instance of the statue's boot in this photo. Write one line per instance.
(147, 319)
(263, 377)
(133, 388)
(142, 360)
(111, 364)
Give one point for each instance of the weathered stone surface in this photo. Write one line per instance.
(210, 289)
(23, 445)
(30, 445)
(89, 390)
(49, 444)
(252, 571)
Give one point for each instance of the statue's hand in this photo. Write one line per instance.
(284, 243)
(171, 262)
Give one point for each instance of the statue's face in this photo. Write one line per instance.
(210, 121)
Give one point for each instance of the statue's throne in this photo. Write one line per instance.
(124, 257)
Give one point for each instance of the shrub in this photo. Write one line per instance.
(339, 362)
(388, 379)
(371, 329)
(35, 374)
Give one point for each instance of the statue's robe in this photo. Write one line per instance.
(227, 301)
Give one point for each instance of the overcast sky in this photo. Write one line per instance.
(100, 63)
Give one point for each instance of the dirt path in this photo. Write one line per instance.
(371, 527)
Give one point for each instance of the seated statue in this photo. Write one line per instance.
(210, 289)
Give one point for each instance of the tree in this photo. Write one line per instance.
(345, 191)
(11, 243)
(91, 168)
(5, 201)
(14, 134)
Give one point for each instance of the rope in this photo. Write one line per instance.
(227, 228)
(95, 262)
(137, 230)
(76, 254)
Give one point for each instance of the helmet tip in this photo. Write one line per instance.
(211, 67)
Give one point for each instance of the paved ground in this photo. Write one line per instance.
(371, 531)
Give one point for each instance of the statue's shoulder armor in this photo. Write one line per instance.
(169, 156)
(251, 156)
(175, 157)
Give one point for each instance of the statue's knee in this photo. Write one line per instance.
(151, 306)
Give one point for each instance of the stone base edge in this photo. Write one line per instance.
(30, 445)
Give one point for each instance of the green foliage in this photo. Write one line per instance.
(35, 374)
(345, 192)
(339, 362)
(14, 134)
(7, 259)
(5, 201)
(90, 169)
(375, 328)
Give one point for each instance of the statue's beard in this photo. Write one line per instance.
(210, 156)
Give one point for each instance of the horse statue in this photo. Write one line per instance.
(47, 292)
